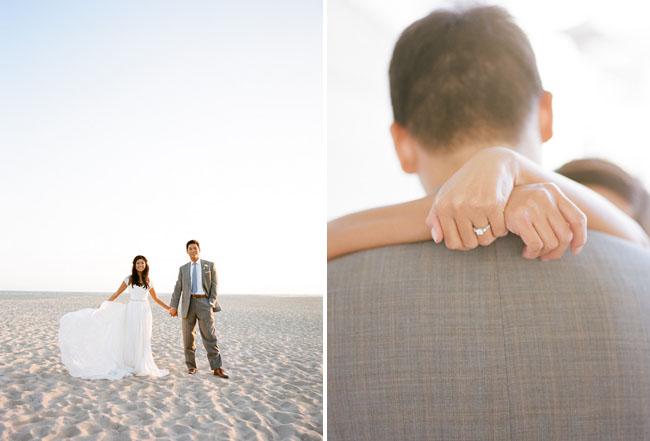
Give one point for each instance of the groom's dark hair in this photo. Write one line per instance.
(463, 75)
(187, 245)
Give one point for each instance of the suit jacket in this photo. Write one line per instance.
(182, 290)
(425, 343)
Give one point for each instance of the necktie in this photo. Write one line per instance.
(194, 278)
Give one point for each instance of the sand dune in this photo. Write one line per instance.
(271, 348)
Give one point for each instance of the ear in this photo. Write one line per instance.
(546, 116)
(404, 147)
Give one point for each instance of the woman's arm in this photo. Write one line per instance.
(469, 194)
(155, 298)
(537, 213)
(484, 185)
(117, 293)
(401, 223)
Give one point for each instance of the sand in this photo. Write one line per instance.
(271, 347)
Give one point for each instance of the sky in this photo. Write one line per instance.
(594, 56)
(129, 128)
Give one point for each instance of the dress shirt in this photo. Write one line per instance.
(199, 272)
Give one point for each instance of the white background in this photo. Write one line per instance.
(131, 127)
(593, 56)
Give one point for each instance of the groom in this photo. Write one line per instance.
(197, 280)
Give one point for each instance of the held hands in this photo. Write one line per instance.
(483, 193)
(172, 312)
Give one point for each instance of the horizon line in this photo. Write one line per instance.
(163, 293)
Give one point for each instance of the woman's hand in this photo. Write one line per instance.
(546, 220)
(474, 197)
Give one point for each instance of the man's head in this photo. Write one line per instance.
(193, 249)
(466, 78)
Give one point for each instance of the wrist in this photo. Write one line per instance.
(512, 164)
(525, 170)
(504, 158)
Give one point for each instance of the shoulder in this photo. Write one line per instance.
(207, 262)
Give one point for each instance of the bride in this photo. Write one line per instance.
(114, 340)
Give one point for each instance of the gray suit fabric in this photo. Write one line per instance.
(430, 344)
(201, 310)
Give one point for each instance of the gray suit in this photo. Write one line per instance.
(430, 344)
(198, 309)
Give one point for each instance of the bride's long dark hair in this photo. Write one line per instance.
(135, 279)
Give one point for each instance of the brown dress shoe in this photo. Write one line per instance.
(220, 373)
(191, 371)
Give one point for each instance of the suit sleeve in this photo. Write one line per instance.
(213, 286)
(176, 296)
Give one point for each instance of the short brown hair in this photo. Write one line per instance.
(187, 245)
(460, 75)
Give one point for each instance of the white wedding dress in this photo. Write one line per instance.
(112, 341)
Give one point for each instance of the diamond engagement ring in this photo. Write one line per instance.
(482, 231)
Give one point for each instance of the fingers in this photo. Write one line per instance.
(462, 231)
(461, 216)
(485, 239)
(433, 223)
(467, 234)
(563, 233)
(546, 220)
(451, 234)
(533, 243)
(577, 221)
(497, 221)
(545, 232)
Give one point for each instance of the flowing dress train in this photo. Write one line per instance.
(112, 341)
